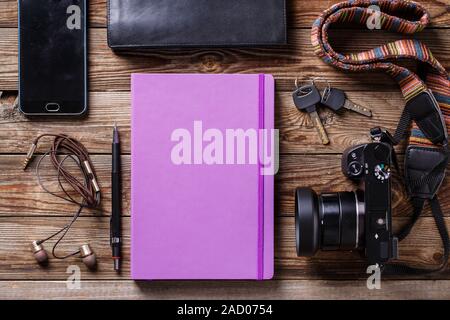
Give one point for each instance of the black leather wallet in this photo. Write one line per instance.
(195, 23)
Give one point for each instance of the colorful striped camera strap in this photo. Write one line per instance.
(428, 127)
(386, 15)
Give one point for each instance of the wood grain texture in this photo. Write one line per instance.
(111, 72)
(297, 134)
(27, 213)
(228, 290)
(301, 13)
(21, 195)
(422, 248)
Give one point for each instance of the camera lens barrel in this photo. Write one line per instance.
(332, 221)
(352, 220)
(331, 215)
(307, 222)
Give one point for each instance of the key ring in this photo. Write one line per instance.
(327, 90)
(313, 81)
(298, 87)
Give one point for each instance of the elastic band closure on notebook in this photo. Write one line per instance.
(261, 179)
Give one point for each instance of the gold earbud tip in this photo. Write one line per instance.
(88, 257)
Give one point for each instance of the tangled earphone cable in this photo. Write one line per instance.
(89, 191)
(63, 148)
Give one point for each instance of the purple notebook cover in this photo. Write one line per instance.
(199, 221)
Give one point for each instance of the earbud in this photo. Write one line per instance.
(88, 256)
(39, 252)
(88, 190)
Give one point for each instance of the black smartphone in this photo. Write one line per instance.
(52, 57)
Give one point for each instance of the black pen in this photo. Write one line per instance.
(115, 232)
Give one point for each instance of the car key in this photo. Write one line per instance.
(306, 99)
(336, 100)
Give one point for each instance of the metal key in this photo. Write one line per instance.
(306, 99)
(336, 100)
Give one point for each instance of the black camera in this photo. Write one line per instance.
(359, 220)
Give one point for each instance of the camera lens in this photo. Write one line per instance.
(333, 221)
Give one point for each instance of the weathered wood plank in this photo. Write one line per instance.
(27, 213)
(21, 195)
(423, 247)
(111, 72)
(301, 13)
(297, 135)
(234, 290)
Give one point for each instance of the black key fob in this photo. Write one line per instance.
(333, 98)
(306, 97)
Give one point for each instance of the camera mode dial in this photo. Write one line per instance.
(382, 172)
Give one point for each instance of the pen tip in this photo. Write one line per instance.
(115, 133)
(117, 264)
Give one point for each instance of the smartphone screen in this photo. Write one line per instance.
(52, 57)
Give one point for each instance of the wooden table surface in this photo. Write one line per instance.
(27, 213)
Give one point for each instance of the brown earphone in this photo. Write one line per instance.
(62, 149)
(87, 255)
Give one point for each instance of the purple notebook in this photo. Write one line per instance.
(202, 208)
